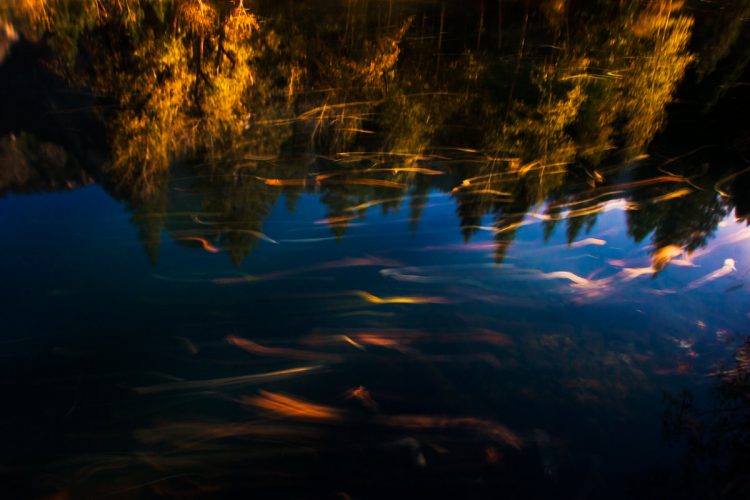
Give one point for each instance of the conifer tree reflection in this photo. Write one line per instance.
(556, 116)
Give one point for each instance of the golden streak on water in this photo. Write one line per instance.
(671, 196)
(291, 407)
(284, 182)
(350, 341)
(374, 299)
(664, 255)
(260, 350)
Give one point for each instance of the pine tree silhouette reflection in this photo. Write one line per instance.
(232, 98)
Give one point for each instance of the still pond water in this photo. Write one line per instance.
(358, 250)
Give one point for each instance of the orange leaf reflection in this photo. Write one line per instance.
(252, 347)
(291, 407)
(373, 299)
(208, 247)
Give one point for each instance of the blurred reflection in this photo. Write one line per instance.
(215, 109)
(715, 435)
(202, 116)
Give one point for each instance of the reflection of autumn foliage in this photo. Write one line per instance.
(552, 116)
(182, 71)
(179, 72)
(151, 124)
(381, 57)
(539, 133)
(191, 91)
(665, 34)
(630, 82)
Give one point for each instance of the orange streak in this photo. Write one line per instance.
(369, 182)
(352, 342)
(494, 192)
(662, 256)
(284, 182)
(373, 299)
(377, 340)
(654, 180)
(671, 196)
(395, 339)
(208, 247)
(252, 347)
(363, 395)
(290, 407)
(418, 170)
(395, 170)
(336, 220)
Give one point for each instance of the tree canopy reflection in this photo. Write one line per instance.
(543, 108)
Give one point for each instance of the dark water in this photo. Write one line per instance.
(406, 249)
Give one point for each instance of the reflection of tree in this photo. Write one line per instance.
(552, 117)
(723, 46)
(149, 214)
(651, 81)
(225, 208)
(607, 83)
(686, 222)
(717, 438)
(179, 72)
(238, 205)
(30, 165)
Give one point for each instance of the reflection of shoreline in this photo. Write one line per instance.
(376, 121)
(226, 211)
(27, 166)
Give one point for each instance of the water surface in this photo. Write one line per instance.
(358, 249)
